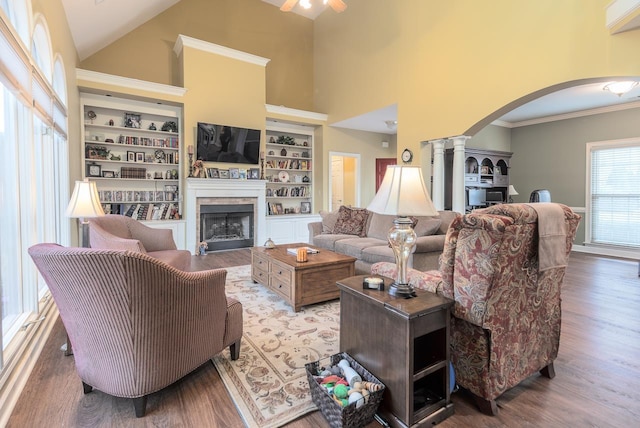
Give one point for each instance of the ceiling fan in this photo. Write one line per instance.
(337, 5)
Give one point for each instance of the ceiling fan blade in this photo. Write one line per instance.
(288, 5)
(337, 5)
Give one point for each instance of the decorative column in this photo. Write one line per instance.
(458, 199)
(437, 190)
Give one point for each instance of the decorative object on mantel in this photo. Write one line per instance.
(198, 169)
(190, 150)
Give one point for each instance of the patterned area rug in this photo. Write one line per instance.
(268, 382)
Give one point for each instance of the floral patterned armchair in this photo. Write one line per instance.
(506, 319)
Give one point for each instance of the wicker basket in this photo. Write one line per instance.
(336, 415)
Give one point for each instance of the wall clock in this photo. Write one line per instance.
(407, 156)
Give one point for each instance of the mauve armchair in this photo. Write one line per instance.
(118, 232)
(506, 320)
(137, 324)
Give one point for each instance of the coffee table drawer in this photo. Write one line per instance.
(281, 278)
(259, 275)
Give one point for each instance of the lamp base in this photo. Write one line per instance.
(404, 291)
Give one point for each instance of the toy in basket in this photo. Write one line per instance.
(344, 391)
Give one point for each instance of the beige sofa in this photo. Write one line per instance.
(368, 240)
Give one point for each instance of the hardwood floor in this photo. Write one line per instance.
(597, 379)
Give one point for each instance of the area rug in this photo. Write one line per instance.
(268, 382)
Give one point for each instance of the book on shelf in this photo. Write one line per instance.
(294, 251)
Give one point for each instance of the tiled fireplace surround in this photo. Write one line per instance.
(219, 191)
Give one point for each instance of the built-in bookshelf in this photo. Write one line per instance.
(131, 149)
(288, 169)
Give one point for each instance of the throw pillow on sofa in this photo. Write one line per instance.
(351, 221)
(329, 219)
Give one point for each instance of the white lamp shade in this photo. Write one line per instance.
(403, 193)
(84, 202)
(512, 190)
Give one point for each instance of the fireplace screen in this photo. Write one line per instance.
(225, 227)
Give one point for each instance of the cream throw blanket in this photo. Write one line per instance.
(552, 236)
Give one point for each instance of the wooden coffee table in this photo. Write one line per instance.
(300, 284)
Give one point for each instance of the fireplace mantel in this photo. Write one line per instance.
(221, 188)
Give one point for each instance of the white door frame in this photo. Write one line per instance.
(356, 156)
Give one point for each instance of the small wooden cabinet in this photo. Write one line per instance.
(405, 344)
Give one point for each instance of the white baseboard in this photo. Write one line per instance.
(610, 252)
(17, 371)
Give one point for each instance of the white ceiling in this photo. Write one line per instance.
(97, 23)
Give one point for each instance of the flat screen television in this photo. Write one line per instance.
(221, 143)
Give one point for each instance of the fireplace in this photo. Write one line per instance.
(202, 192)
(224, 227)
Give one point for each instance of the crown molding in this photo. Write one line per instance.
(187, 41)
(301, 114)
(565, 116)
(127, 82)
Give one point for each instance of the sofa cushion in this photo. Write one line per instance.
(353, 247)
(427, 226)
(329, 219)
(329, 240)
(351, 221)
(379, 253)
(381, 223)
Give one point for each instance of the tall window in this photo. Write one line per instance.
(34, 179)
(614, 193)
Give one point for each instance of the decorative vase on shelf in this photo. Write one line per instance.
(283, 152)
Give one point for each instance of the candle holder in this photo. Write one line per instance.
(190, 165)
(262, 169)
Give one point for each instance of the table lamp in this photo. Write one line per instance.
(84, 204)
(402, 193)
(512, 192)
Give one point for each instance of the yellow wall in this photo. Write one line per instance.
(222, 90)
(251, 26)
(452, 64)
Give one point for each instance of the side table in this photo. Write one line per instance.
(405, 344)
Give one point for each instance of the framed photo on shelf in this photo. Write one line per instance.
(305, 207)
(234, 173)
(278, 208)
(131, 156)
(132, 120)
(215, 173)
(243, 174)
(254, 174)
(224, 173)
(139, 156)
(108, 174)
(94, 170)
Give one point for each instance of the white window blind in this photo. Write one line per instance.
(615, 194)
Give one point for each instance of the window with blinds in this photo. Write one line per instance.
(614, 196)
